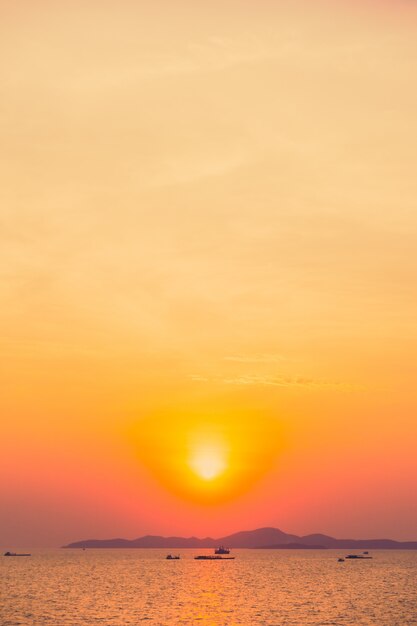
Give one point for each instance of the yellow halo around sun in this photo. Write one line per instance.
(208, 458)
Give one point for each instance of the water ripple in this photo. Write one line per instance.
(274, 588)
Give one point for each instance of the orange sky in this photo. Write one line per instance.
(208, 265)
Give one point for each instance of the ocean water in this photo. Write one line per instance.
(127, 587)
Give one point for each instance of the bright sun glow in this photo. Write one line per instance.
(208, 460)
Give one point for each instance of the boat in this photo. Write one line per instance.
(16, 554)
(366, 552)
(172, 557)
(340, 560)
(211, 557)
(358, 556)
(222, 550)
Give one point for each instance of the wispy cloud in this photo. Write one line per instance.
(213, 54)
(256, 358)
(177, 170)
(198, 378)
(288, 381)
(279, 381)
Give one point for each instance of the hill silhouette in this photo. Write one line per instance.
(271, 538)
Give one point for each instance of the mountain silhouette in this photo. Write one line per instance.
(271, 538)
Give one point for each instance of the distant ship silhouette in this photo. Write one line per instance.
(222, 550)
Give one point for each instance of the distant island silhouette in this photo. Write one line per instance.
(261, 538)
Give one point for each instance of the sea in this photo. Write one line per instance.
(268, 587)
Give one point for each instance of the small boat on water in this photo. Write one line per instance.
(16, 554)
(211, 557)
(340, 560)
(172, 557)
(222, 550)
(358, 556)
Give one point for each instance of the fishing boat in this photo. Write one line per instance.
(172, 557)
(211, 557)
(222, 550)
(358, 556)
(16, 554)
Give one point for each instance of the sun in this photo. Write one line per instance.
(208, 460)
(210, 456)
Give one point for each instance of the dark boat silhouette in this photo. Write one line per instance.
(16, 554)
(341, 560)
(358, 556)
(172, 557)
(211, 557)
(222, 550)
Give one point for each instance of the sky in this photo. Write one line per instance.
(207, 268)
